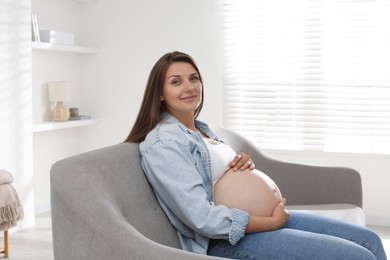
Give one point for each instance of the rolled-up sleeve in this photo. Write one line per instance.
(240, 222)
(170, 168)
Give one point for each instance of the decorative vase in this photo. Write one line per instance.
(60, 113)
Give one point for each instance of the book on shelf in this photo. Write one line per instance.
(34, 28)
(80, 117)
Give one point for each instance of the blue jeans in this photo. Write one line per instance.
(305, 236)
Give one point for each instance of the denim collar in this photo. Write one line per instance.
(202, 126)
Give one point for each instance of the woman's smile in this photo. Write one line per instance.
(189, 98)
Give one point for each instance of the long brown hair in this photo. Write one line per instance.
(152, 107)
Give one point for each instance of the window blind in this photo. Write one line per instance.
(308, 74)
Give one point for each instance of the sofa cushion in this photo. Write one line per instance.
(345, 212)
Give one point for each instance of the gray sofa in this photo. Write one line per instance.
(104, 208)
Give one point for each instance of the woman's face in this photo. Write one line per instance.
(182, 90)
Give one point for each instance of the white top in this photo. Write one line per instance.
(221, 155)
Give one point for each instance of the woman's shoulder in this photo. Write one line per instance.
(164, 132)
(169, 131)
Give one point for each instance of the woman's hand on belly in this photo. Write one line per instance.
(249, 190)
(242, 162)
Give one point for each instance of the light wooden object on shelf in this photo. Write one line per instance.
(59, 91)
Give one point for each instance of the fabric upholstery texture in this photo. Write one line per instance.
(104, 208)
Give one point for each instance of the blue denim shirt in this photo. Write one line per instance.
(178, 166)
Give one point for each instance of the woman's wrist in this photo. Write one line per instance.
(263, 224)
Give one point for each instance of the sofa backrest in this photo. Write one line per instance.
(140, 205)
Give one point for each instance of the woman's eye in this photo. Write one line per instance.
(175, 82)
(194, 78)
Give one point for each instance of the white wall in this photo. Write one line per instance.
(131, 36)
(16, 101)
(51, 146)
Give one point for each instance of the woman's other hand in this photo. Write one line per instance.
(243, 162)
(278, 220)
(280, 215)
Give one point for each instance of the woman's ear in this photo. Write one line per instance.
(162, 98)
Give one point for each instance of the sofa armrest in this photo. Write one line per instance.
(80, 235)
(118, 240)
(301, 184)
(306, 184)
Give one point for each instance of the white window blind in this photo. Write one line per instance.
(308, 74)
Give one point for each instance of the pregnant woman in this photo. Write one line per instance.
(216, 200)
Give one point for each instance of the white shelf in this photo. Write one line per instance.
(87, 1)
(49, 126)
(45, 46)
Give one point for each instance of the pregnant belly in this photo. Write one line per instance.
(251, 191)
